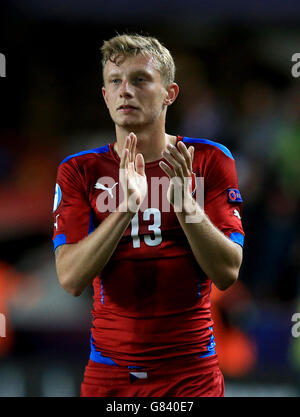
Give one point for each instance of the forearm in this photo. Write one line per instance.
(78, 264)
(217, 255)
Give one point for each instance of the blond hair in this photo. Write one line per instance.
(132, 45)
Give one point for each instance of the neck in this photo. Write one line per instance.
(150, 143)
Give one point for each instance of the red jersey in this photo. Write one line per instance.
(152, 299)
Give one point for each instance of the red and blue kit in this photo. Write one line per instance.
(152, 300)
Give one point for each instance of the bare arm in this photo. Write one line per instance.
(217, 255)
(78, 264)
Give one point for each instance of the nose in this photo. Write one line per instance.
(125, 90)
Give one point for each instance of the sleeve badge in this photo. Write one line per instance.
(234, 196)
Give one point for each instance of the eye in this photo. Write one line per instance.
(115, 80)
(139, 80)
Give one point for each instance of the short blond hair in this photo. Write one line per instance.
(132, 45)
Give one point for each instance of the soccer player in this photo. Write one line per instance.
(127, 220)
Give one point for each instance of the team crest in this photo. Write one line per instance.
(57, 197)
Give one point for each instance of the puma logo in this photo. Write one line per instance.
(236, 213)
(100, 186)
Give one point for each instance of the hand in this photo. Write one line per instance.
(132, 175)
(181, 160)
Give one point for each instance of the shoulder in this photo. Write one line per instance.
(208, 146)
(83, 156)
(75, 169)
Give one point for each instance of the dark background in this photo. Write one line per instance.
(234, 71)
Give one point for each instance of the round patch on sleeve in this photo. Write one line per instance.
(234, 196)
(57, 197)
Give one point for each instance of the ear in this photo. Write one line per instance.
(104, 96)
(172, 93)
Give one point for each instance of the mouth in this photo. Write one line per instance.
(126, 108)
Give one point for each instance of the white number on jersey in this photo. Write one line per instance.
(150, 240)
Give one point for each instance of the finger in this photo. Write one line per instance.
(124, 158)
(125, 147)
(127, 142)
(131, 170)
(125, 152)
(192, 153)
(174, 163)
(140, 164)
(187, 155)
(179, 157)
(132, 139)
(134, 147)
(165, 167)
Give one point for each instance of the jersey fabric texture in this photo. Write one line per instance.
(152, 299)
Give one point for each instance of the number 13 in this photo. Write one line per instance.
(150, 240)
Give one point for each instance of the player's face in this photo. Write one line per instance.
(134, 92)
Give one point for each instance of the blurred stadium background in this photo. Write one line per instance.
(234, 69)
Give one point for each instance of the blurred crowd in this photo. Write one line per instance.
(228, 94)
